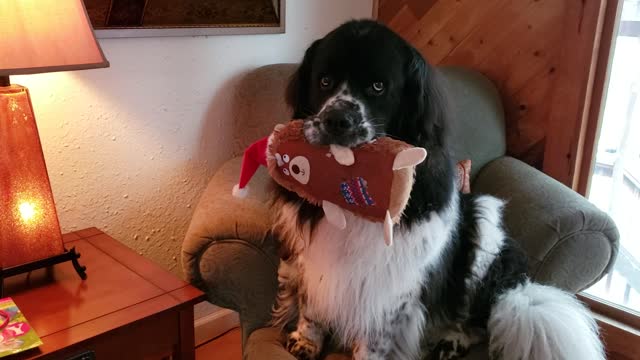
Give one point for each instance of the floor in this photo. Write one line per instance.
(227, 346)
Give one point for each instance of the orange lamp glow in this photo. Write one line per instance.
(29, 228)
(35, 36)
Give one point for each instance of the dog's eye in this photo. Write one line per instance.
(377, 87)
(326, 83)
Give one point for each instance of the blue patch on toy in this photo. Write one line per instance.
(355, 192)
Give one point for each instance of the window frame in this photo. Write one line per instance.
(620, 326)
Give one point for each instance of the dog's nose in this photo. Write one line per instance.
(336, 121)
(341, 117)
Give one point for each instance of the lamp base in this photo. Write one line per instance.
(67, 255)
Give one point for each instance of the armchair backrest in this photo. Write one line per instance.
(478, 130)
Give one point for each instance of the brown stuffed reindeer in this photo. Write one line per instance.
(373, 180)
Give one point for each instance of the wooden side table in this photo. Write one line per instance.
(128, 308)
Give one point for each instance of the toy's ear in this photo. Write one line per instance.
(409, 157)
(298, 90)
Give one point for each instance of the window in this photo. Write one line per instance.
(615, 177)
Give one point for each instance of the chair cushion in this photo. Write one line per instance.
(477, 130)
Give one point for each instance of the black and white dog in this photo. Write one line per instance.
(452, 278)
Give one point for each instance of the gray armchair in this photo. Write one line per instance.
(228, 251)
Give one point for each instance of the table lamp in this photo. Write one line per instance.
(36, 36)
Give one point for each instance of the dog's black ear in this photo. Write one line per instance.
(297, 94)
(425, 111)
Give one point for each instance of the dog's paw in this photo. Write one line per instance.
(301, 347)
(453, 346)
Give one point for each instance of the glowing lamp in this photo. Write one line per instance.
(37, 36)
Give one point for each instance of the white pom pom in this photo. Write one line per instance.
(240, 193)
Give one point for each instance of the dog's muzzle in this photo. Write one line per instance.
(342, 122)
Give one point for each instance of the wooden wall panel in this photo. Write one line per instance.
(518, 44)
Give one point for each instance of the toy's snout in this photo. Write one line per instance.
(299, 167)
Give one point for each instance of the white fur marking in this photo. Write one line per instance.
(344, 97)
(490, 237)
(538, 322)
(312, 133)
(345, 270)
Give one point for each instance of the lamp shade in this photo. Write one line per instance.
(46, 35)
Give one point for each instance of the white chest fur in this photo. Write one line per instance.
(354, 282)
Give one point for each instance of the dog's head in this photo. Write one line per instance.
(362, 81)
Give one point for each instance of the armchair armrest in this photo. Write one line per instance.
(241, 276)
(266, 343)
(570, 243)
(228, 251)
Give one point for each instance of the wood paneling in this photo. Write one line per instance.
(573, 89)
(521, 45)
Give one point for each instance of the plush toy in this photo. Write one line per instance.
(373, 180)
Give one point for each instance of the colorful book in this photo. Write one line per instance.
(16, 335)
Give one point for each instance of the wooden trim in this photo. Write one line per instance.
(88, 232)
(621, 342)
(611, 310)
(619, 328)
(375, 8)
(187, 349)
(215, 324)
(59, 340)
(566, 125)
(599, 95)
(188, 295)
(69, 237)
(141, 266)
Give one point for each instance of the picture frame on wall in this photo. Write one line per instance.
(154, 18)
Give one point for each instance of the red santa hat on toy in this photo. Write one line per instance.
(254, 156)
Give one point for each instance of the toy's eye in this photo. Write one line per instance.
(326, 83)
(285, 157)
(279, 160)
(300, 169)
(285, 171)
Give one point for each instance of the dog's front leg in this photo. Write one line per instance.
(305, 343)
(373, 349)
(456, 341)
(400, 337)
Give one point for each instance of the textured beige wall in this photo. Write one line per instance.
(130, 148)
